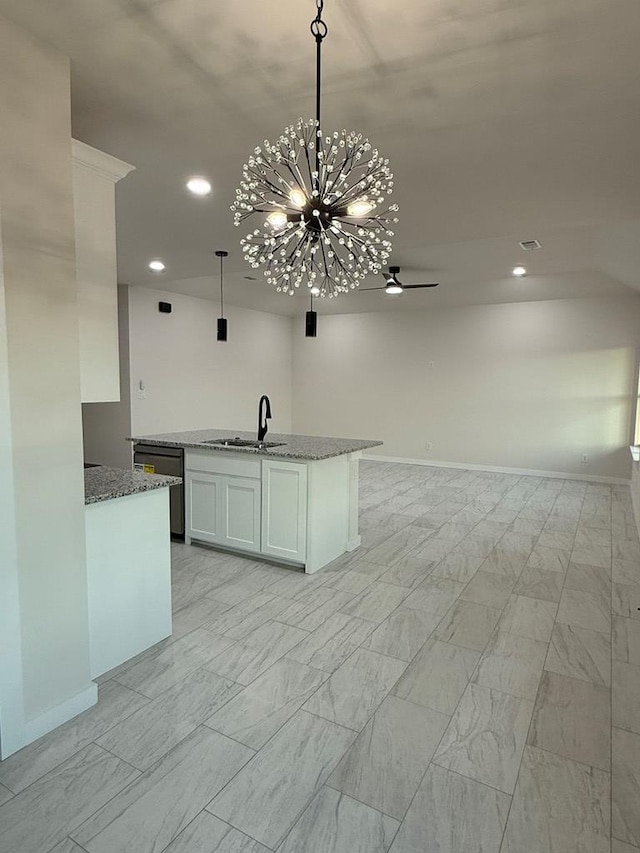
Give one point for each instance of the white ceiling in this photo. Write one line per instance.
(503, 120)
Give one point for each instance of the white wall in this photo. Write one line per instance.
(192, 381)
(42, 486)
(526, 385)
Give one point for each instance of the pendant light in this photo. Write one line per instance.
(311, 322)
(222, 323)
(322, 201)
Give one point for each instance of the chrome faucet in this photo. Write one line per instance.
(262, 419)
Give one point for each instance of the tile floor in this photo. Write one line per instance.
(468, 681)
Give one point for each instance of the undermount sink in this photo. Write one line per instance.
(243, 442)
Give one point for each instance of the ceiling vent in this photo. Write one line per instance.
(527, 245)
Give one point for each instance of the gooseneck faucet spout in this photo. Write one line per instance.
(262, 419)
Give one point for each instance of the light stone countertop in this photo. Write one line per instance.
(309, 447)
(102, 483)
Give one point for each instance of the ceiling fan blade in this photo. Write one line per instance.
(413, 286)
(362, 289)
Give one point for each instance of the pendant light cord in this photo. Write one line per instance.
(221, 299)
(319, 31)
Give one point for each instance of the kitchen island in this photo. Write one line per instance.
(128, 563)
(294, 500)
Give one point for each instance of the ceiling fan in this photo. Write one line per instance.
(394, 286)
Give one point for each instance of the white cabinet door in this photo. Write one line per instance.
(284, 509)
(240, 504)
(203, 496)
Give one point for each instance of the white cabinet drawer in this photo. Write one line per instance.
(222, 462)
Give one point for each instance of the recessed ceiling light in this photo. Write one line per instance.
(519, 271)
(157, 265)
(199, 186)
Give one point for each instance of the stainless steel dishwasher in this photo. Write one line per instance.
(156, 459)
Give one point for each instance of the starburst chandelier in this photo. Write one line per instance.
(323, 199)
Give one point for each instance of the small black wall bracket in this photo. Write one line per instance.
(165, 307)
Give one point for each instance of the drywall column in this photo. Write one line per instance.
(44, 675)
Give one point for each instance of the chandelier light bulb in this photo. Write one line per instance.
(361, 207)
(297, 198)
(519, 271)
(277, 220)
(315, 291)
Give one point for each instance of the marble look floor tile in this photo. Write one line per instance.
(491, 528)
(559, 806)
(115, 704)
(504, 563)
(335, 823)
(438, 676)
(355, 689)
(468, 624)
(433, 549)
(573, 718)
(629, 552)
(454, 530)
(560, 524)
(312, 610)
(243, 618)
(592, 555)
(149, 813)
(559, 541)
(331, 644)
(350, 581)
(621, 847)
(386, 763)
(403, 633)
(453, 814)
(592, 579)
(208, 834)
(397, 546)
(5, 794)
(584, 610)
(45, 813)
(408, 572)
(489, 589)
(243, 662)
(296, 583)
(486, 737)
(156, 673)
(626, 641)
(517, 543)
(435, 595)
(625, 571)
(530, 526)
(151, 732)
(268, 795)
(255, 714)
(592, 537)
(457, 567)
(195, 615)
(512, 665)
(625, 784)
(625, 696)
(244, 587)
(539, 583)
(625, 600)
(67, 846)
(581, 654)
(189, 588)
(376, 602)
(479, 546)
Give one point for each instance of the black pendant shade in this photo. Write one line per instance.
(311, 324)
(222, 329)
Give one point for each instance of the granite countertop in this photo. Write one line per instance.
(102, 483)
(310, 447)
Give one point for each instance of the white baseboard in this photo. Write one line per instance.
(526, 472)
(33, 729)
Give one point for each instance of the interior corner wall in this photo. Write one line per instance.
(192, 381)
(106, 426)
(530, 386)
(40, 392)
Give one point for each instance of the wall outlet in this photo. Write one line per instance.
(584, 457)
(427, 445)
